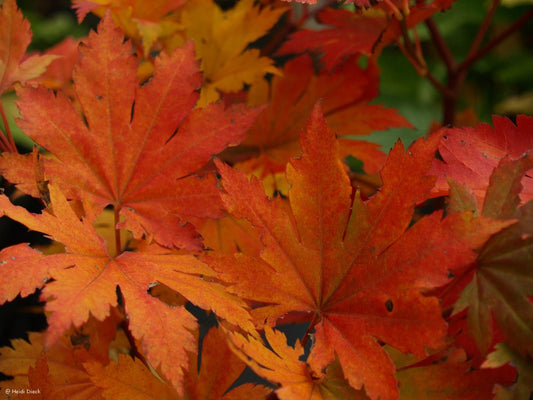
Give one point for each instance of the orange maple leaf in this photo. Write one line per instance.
(128, 379)
(140, 147)
(85, 280)
(57, 371)
(355, 269)
(282, 364)
(220, 368)
(15, 34)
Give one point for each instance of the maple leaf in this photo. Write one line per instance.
(15, 34)
(503, 355)
(219, 369)
(85, 280)
(452, 378)
(229, 235)
(470, 155)
(346, 33)
(354, 268)
(128, 379)
(135, 9)
(281, 363)
(344, 93)
(352, 34)
(58, 75)
(491, 170)
(143, 164)
(32, 273)
(143, 22)
(502, 287)
(57, 371)
(222, 38)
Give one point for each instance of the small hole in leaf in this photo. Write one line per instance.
(389, 306)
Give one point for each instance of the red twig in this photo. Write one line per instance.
(457, 72)
(472, 58)
(118, 244)
(476, 43)
(441, 45)
(7, 141)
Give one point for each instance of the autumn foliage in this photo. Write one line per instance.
(190, 163)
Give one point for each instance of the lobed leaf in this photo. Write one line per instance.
(142, 165)
(355, 268)
(16, 35)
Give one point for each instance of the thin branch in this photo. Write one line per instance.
(118, 244)
(440, 44)
(469, 61)
(407, 40)
(476, 43)
(4, 144)
(422, 71)
(445, 90)
(8, 143)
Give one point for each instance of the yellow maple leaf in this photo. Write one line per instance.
(143, 22)
(221, 39)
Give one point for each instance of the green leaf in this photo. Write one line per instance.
(502, 287)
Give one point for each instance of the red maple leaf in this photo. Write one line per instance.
(470, 155)
(345, 95)
(140, 145)
(355, 269)
(492, 180)
(347, 34)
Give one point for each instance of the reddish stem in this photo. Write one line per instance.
(483, 29)
(457, 75)
(472, 58)
(441, 45)
(457, 72)
(7, 141)
(118, 244)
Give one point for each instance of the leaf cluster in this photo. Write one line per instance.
(190, 163)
